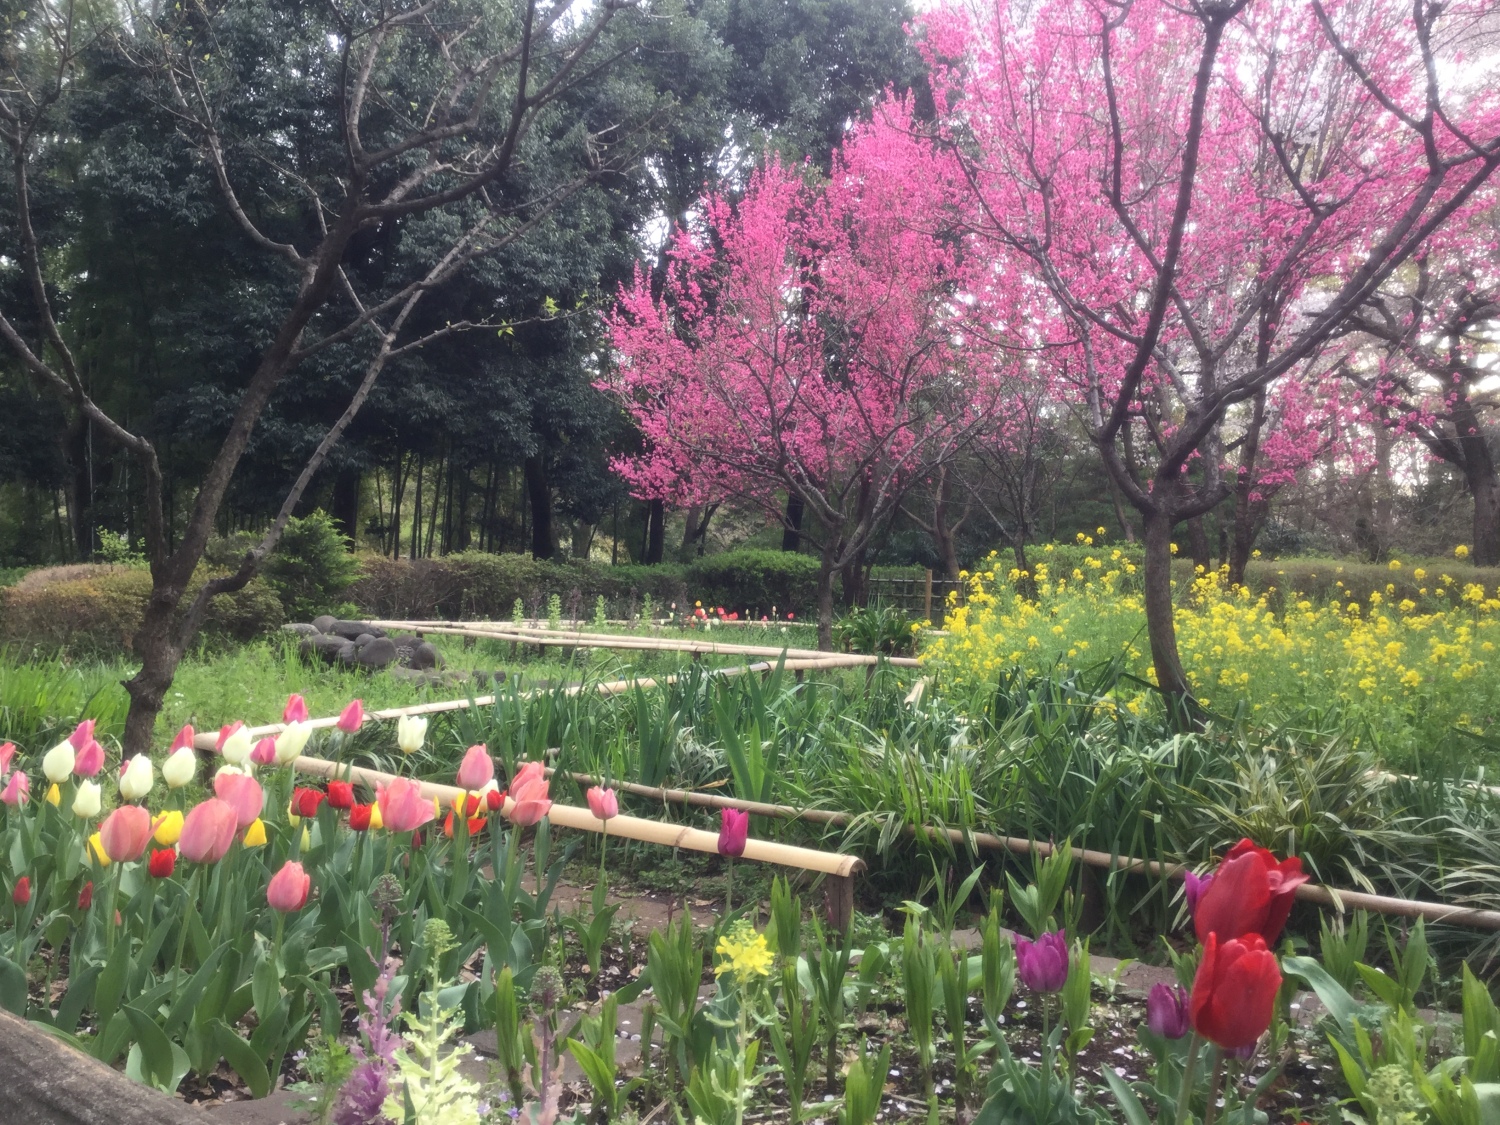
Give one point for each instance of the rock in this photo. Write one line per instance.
(411, 676)
(300, 630)
(347, 652)
(325, 646)
(325, 623)
(364, 639)
(378, 653)
(350, 630)
(425, 656)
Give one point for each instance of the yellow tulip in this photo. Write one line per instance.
(54, 796)
(96, 847)
(255, 835)
(376, 821)
(169, 828)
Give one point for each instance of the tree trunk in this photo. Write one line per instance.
(791, 536)
(1198, 544)
(656, 532)
(1159, 626)
(825, 598)
(1127, 528)
(1486, 489)
(345, 503)
(690, 529)
(539, 497)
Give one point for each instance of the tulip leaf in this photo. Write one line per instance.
(1343, 1007)
(111, 986)
(147, 955)
(265, 988)
(165, 1062)
(12, 986)
(79, 995)
(186, 999)
(112, 1039)
(1130, 1105)
(241, 1056)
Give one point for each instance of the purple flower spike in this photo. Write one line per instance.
(1167, 1011)
(1042, 965)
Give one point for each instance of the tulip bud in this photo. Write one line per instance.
(96, 848)
(291, 741)
(477, 768)
(603, 803)
(411, 730)
(352, 717)
(734, 831)
(22, 894)
(168, 828)
(184, 738)
(287, 891)
(264, 753)
(1042, 965)
(163, 863)
(86, 896)
(54, 796)
(340, 795)
(179, 767)
(137, 779)
(87, 801)
(295, 710)
(17, 790)
(255, 835)
(305, 802)
(7, 753)
(90, 760)
(82, 734)
(359, 817)
(57, 763)
(1167, 1011)
(236, 746)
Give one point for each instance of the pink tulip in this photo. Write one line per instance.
(184, 738)
(402, 806)
(295, 710)
(125, 833)
(89, 760)
(352, 717)
(477, 769)
(82, 735)
(287, 891)
(734, 830)
(225, 731)
(17, 789)
(243, 794)
(603, 803)
(528, 794)
(7, 752)
(207, 831)
(264, 753)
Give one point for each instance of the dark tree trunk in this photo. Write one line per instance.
(345, 503)
(825, 597)
(539, 499)
(1486, 492)
(791, 535)
(1198, 544)
(656, 532)
(1157, 579)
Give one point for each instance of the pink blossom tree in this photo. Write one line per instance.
(813, 341)
(1209, 191)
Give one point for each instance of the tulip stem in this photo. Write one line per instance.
(1189, 1075)
(189, 897)
(1215, 1078)
(729, 888)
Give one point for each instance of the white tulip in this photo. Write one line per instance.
(223, 770)
(58, 762)
(290, 742)
(137, 779)
(237, 746)
(179, 767)
(86, 803)
(411, 730)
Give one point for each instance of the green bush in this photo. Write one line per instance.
(311, 568)
(754, 581)
(94, 610)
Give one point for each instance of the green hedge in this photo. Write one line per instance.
(94, 610)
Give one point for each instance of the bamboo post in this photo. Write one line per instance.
(927, 597)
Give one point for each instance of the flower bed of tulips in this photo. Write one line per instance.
(174, 924)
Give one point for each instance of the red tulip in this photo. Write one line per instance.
(90, 760)
(340, 795)
(494, 798)
(1234, 992)
(7, 752)
(352, 717)
(476, 825)
(477, 769)
(295, 710)
(603, 803)
(287, 891)
(17, 789)
(184, 738)
(528, 795)
(734, 830)
(359, 817)
(163, 862)
(243, 794)
(402, 806)
(22, 894)
(82, 735)
(264, 753)
(86, 896)
(1251, 893)
(125, 833)
(208, 830)
(305, 802)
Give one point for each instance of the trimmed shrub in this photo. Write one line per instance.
(94, 610)
(756, 581)
(311, 568)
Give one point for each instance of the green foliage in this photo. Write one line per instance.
(878, 628)
(757, 581)
(115, 549)
(311, 568)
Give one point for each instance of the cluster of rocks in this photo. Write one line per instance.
(358, 644)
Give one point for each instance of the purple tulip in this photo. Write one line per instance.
(1167, 1011)
(1043, 964)
(1240, 1053)
(1194, 888)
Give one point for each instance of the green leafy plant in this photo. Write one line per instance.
(312, 567)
